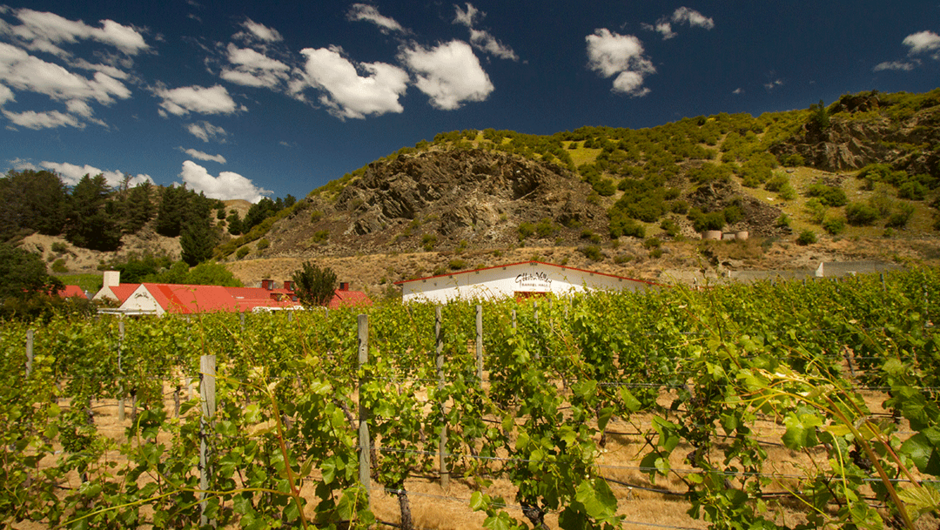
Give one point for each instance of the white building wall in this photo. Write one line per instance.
(508, 281)
(141, 300)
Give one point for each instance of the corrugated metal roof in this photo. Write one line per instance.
(562, 267)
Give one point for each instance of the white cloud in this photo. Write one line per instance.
(480, 39)
(256, 31)
(924, 41)
(201, 100)
(770, 85)
(72, 173)
(252, 68)
(199, 155)
(44, 31)
(20, 164)
(5, 95)
(611, 54)
(21, 71)
(346, 93)
(449, 73)
(692, 17)
(371, 14)
(663, 28)
(894, 65)
(43, 120)
(226, 186)
(738, 91)
(205, 131)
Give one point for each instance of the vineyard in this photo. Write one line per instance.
(786, 405)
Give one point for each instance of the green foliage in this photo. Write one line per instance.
(197, 242)
(320, 236)
(819, 116)
(670, 226)
(234, 223)
(89, 224)
(592, 252)
(206, 273)
(428, 242)
(912, 190)
(262, 244)
(545, 228)
(136, 268)
(23, 274)
(703, 222)
(314, 286)
(621, 225)
(828, 195)
(59, 266)
(793, 160)
(807, 237)
(858, 214)
(525, 229)
(834, 225)
(816, 210)
(901, 216)
(457, 264)
(32, 201)
(242, 252)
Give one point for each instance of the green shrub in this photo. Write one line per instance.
(263, 244)
(816, 210)
(901, 216)
(620, 259)
(706, 221)
(777, 182)
(59, 247)
(242, 252)
(911, 190)
(670, 226)
(59, 266)
(428, 242)
(783, 221)
(793, 160)
(834, 225)
(828, 195)
(807, 237)
(320, 236)
(858, 214)
(652, 242)
(592, 252)
(545, 228)
(316, 215)
(621, 225)
(656, 253)
(525, 230)
(457, 264)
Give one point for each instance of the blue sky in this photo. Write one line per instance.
(247, 99)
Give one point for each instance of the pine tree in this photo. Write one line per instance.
(314, 286)
(90, 225)
(197, 241)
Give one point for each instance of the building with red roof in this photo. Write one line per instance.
(71, 291)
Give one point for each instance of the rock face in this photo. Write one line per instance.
(442, 198)
(852, 143)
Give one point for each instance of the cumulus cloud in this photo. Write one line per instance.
(44, 31)
(680, 16)
(345, 93)
(693, 18)
(894, 65)
(72, 173)
(226, 186)
(480, 39)
(22, 71)
(201, 100)
(369, 13)
(205, 131)
(5, 95)
(612, 54)
(923, 42)
(258, 32)
(199, 155)
(43, 120)
(252, 68)
(20, 164)
(449, 73)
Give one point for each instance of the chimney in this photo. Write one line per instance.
(267, 284)
(112, 278)
(289, 285)
(343, 286)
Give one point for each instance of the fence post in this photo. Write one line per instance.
(121, 370)
(207, 396)
(29, 352)
(884, 287)
(480, 344)
(513, 319)
(365, 446)
(442, 445)
(535, 314)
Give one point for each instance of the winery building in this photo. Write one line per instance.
(519, 280)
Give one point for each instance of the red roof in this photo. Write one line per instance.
(187, 299)
(563, 267)
(70, 291)
(349, 299)
(124, 291)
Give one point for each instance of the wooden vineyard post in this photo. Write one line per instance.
(365, 446)
(442, 445)
(535, 312)
(207, 396)
(120, 371)
(480, 344)
(884, 286)
(513, 319)
(29, 352)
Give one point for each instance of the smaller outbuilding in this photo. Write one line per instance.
(519, 280)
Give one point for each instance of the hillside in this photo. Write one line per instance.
(860, 174)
